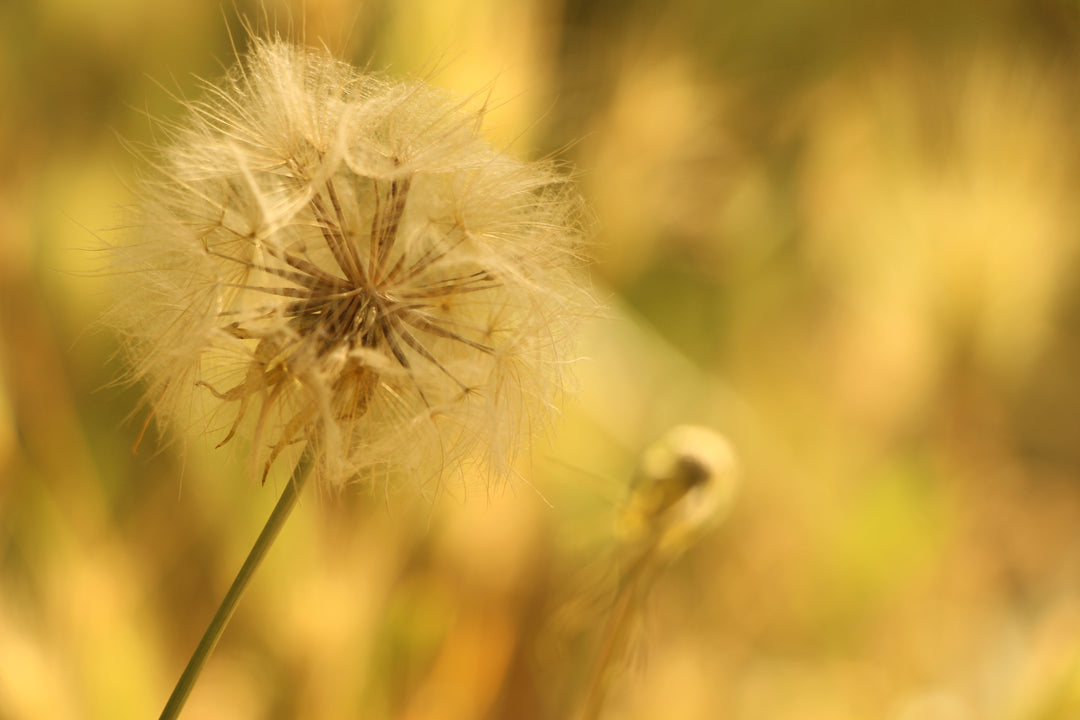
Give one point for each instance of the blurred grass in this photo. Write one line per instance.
(843, 233)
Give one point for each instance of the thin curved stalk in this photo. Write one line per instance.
(616, 635)
(217, 625)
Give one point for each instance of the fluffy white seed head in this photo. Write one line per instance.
(332, 258)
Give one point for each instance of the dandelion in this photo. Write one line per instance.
(331, 260)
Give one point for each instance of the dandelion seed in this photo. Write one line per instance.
(331, 259)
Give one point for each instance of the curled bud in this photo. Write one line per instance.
(684, 485)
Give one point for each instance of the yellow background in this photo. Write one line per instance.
(843, 233)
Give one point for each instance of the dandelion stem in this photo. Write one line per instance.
(614, 641)
(217, 625)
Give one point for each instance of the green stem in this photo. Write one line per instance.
(217, 625)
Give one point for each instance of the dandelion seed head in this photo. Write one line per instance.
(328, 257)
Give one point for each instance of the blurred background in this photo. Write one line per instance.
(844, 234)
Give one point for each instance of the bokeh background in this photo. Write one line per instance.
(844, 234)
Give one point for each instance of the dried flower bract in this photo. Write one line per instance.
(328, 257)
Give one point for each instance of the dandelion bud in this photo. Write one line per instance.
(685, 484)
(329, 258)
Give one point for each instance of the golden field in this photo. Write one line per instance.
(845, 236)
